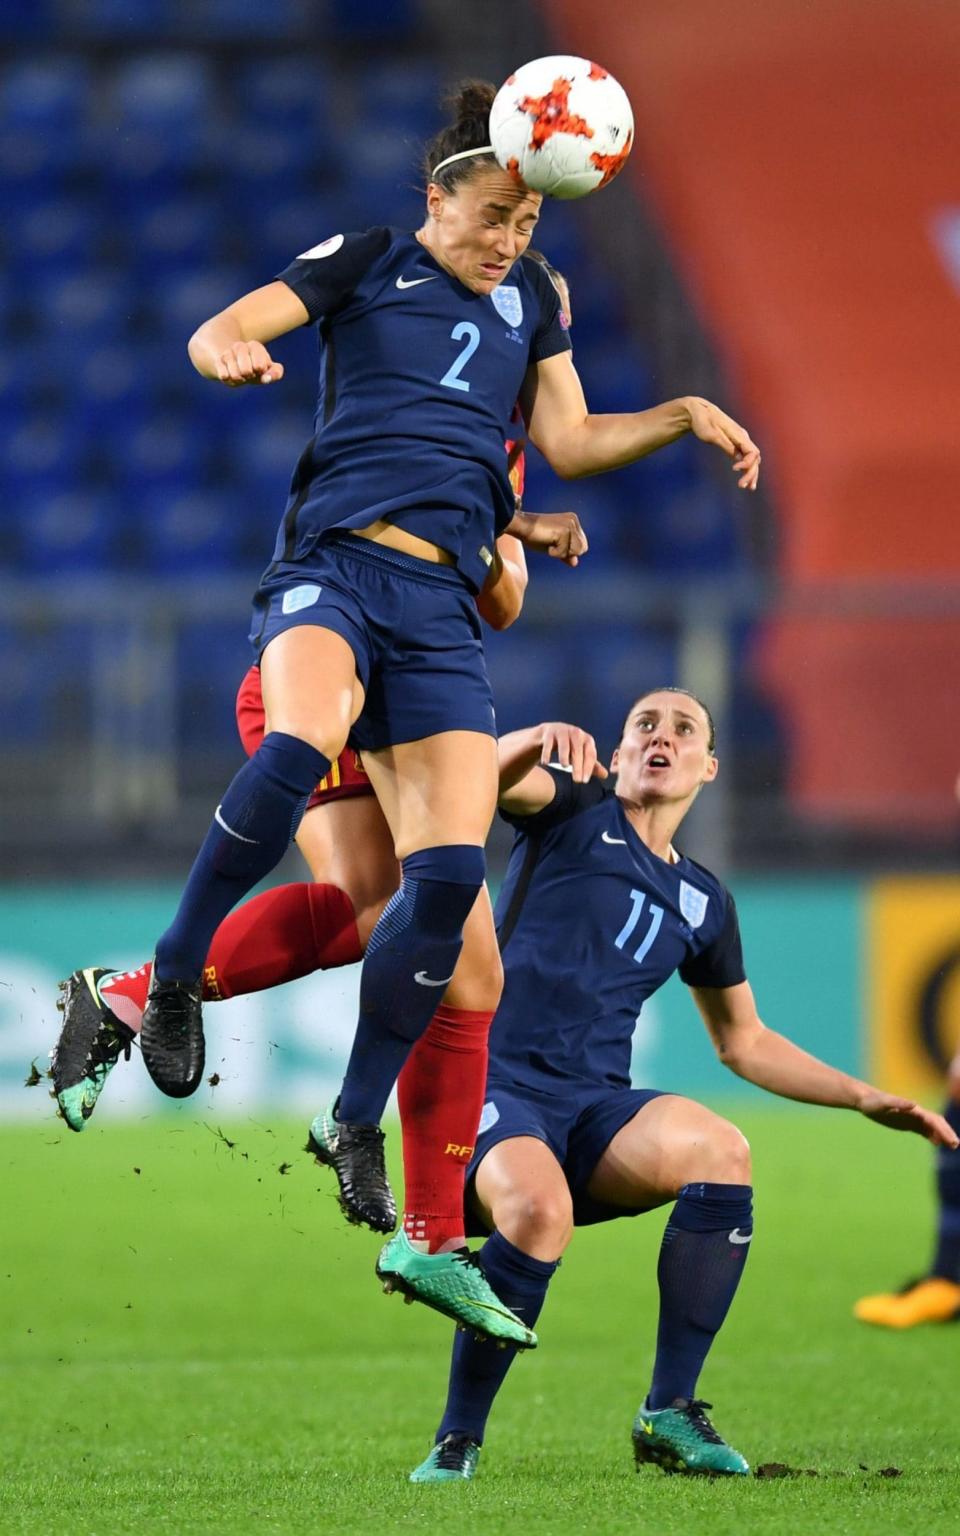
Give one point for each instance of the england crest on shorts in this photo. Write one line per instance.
(693, 904)
(489, 1117)
(508, 304)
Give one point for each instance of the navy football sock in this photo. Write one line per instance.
(946, 1260)
(253, 826)
(478, 1366)
(411, 955)
(701, 1260)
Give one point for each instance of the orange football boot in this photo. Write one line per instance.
(930, 1300)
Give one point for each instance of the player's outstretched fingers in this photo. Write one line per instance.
(899, 1114)
(940, 1131)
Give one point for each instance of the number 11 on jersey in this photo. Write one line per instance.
(637, 903)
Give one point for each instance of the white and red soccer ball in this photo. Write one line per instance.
(562, 125)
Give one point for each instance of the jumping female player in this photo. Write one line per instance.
(364, 622)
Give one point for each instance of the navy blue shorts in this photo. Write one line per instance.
(577, 1128)
(413, 628)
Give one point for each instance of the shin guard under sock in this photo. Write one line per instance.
(702, 1255)
(281, 934)
(411, 956)
(252, 828)
(478, 1367)
(441, 1091)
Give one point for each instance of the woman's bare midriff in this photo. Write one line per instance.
(398, 538)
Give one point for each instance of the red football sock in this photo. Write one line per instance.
(126, 994)
(277, 936)
(441, 1092)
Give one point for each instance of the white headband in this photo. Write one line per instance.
(484, 149)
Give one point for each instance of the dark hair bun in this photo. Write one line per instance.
(467, 105)
(470, 102)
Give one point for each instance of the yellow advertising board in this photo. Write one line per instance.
(913, 981)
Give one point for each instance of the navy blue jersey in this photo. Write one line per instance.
(591, 923)
(418, 378)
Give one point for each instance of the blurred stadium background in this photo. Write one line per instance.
(785, 240)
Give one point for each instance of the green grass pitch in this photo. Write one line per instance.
(195, 1342)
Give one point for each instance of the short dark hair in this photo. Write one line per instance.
(672, 688)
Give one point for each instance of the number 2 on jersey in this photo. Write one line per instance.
(637, 900)
(452, 377)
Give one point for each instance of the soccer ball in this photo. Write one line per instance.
(561, 125)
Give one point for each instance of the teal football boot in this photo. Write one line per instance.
(682, 1439)
(454, 1460)
(91, 1043)
(454, 1284)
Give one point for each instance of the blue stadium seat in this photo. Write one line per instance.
(405, 99)
(172, 236)
(265, 161)
(374, 19)
(178, 307)
(55, 235)
(295, 94)
(165, 455)
(264, 453)
(597, 311)
(70, 317)
(46, 667)
(41, 457)
(694, 532)
(232, 20)
(289, 225)
(685, 519)
(161, 123)
(26, 18)
(188, 532)
(386, 168)
(104, 19)
(586, 674)
(50, 93)
(615, 377)
(83, 307)
(212, 657)
(111, 390)
(43, 115)
(67, 531)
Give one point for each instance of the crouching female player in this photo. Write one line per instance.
(598, 909)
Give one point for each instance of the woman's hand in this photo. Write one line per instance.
(572, 748)
(903, 1115)
(714, 426)
(559, 533)
(247, 362)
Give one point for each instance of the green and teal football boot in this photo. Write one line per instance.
(682, 1439)
(453, 1460)
(454, 1284)
(91, 1043)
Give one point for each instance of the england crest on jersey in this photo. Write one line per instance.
(693, 904)
(508, 304)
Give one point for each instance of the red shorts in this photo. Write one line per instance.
(347, 777)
